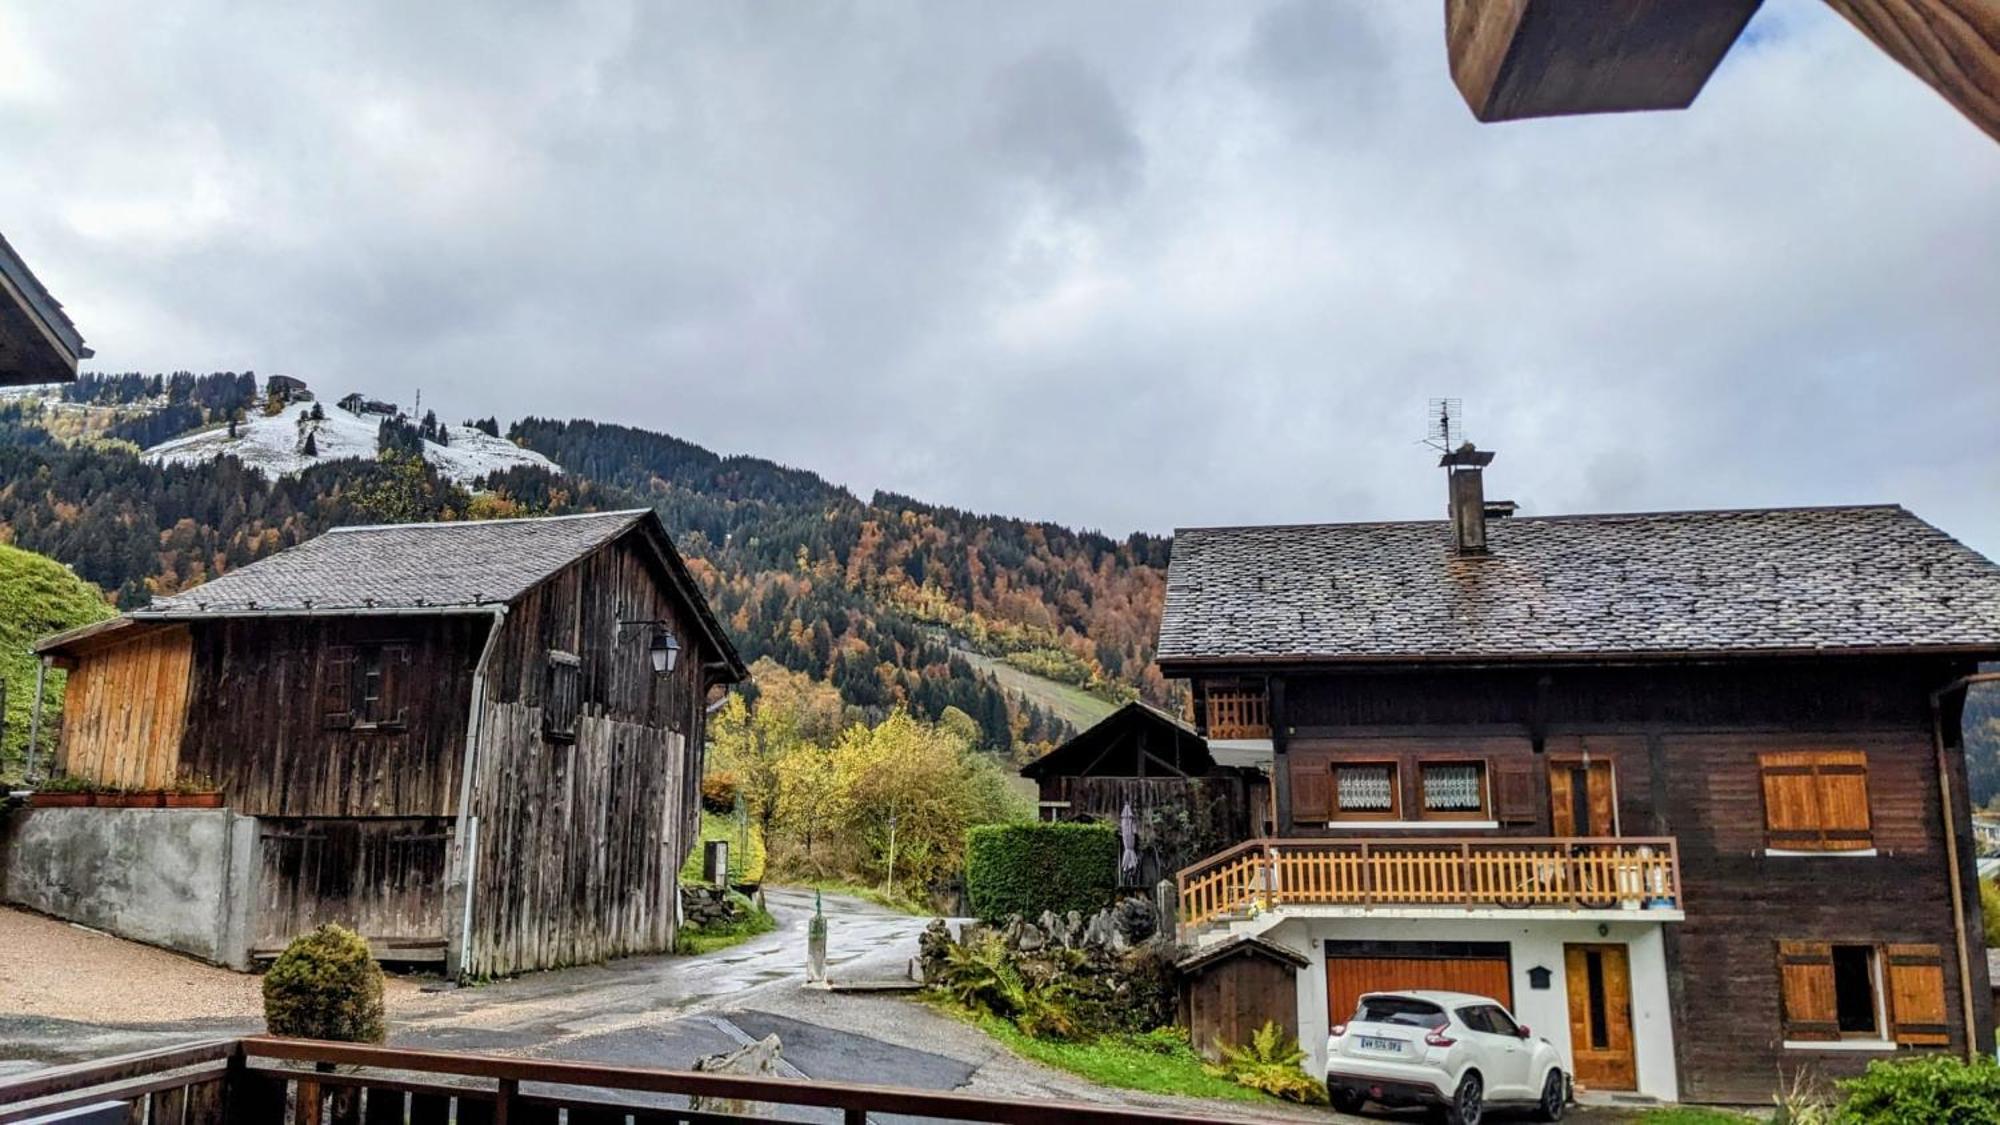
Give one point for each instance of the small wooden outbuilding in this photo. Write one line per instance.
(1233, 988)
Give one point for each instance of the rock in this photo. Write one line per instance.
(753, 1060)
(1029, 938)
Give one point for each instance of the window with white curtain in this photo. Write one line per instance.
(1365, 788)
(1454, 788)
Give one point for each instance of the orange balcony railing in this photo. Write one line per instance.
(1511, 872)
(1238, 714)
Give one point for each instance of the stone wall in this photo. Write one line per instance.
(707, 906)
(179, 878)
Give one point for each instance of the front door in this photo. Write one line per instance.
(1599, 980)
(1582, 798)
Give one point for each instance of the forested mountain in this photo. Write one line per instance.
(881, 597)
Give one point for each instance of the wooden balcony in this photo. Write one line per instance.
(1497, 873)
(1237, 713)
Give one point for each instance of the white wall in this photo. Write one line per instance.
(1532, 943)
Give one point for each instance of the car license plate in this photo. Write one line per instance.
(1372, 1043)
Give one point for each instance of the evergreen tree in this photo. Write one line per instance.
(312, 446)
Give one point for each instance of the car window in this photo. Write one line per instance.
(1406, 1010)
(1475, 1018)
(1502, 1023)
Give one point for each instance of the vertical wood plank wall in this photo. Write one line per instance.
(124, 711)
(580, 843)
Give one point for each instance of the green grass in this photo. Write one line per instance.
(1119, 1062)
(38, 596)
(898, 902)
(1068, 702)
(1691, 1115)
(746, 865)
(694, 941)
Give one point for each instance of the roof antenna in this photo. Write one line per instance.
(1446, 430)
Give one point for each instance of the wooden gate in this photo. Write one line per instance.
(383, 878)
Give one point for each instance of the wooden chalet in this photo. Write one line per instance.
(38, 343)
(1186, 800)
(478, 742)
(1684, 789)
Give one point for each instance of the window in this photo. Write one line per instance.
(1364, 790)
(559, 701)
(1489, 1019)
(363, 687)
(1862, 993)
(1816, 801)
(1405, 1010)
(1454, 790)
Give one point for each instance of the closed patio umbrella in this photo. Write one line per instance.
(1128, 833)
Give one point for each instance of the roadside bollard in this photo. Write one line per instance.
(816, 945)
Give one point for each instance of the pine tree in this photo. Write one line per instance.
(312, 446)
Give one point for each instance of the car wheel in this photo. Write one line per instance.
(1469, 1103)
(1348, 1100)
(1554, 1099)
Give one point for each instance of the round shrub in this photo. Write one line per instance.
(1028, 868)
(1923, 1090)
(719, 789)
(325, 985)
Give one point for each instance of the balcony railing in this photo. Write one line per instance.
(1238, 714)
(1470, 874)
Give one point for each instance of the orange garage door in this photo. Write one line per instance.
(1355, 967)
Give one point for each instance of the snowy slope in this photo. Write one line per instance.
(276, 445)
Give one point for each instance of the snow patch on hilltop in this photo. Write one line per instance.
(276, 445)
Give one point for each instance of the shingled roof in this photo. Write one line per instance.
(38, 341)
(469, 565)
(1782, 580)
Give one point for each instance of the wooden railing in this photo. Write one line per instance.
(1238, 713)
(1513, 872)
(262, 1081)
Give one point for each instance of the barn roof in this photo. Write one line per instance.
(465, 566)
(1076, 756)
(38, 342)
(1780, 580)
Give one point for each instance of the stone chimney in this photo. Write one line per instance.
(1464, 468)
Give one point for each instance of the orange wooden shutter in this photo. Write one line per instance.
(1312, 789)
(1915, 975)
(1514, 796)
(1805, 983)
(337, 687)
(1816, 800)
(1562, 800)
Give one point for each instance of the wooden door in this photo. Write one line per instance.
(1348, 978)
(1583, 798)
(1599, 981)
(383, 878)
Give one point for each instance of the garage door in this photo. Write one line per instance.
(1355, 967)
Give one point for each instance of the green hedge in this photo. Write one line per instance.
(1028, 868)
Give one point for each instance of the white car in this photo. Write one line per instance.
(1453, 1051)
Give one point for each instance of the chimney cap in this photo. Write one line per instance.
(1501, 509)
(1466, 457)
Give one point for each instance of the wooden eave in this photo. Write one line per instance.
(1188, 666)
(1243, 947)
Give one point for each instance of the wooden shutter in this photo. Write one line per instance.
(1312, 789)
(1514, 797)
(1805, 984)
(396, 686)
(1816, 800)
(337, 687)
(559, 702)
(1915, 977)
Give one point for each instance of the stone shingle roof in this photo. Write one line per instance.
(1765, 580)
(403, 566)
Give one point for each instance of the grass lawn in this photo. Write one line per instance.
(693, 940)
(1121, 1062)
(1689, 1115)
(897, 902)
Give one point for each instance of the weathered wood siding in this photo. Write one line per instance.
(124, 710)
(579, 842)
(1176, 820)
(1685, 742)
(381, 877)
(256, 723)
(1224, 1002)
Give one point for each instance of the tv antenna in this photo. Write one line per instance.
(1446, 429)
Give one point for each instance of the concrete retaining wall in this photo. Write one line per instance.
(179, 878)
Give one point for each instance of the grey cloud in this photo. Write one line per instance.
(1055, 120)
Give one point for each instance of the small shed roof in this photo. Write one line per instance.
(38, 343)
(1250, 946)
(466, 566)
(1179, 745)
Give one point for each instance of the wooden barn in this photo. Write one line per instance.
(1188, 800)
(478, 742)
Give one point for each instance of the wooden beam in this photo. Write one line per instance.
(1543, 58)
(1953, 45)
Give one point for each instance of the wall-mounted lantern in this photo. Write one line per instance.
(664, 648)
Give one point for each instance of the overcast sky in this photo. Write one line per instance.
(1128, 265)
